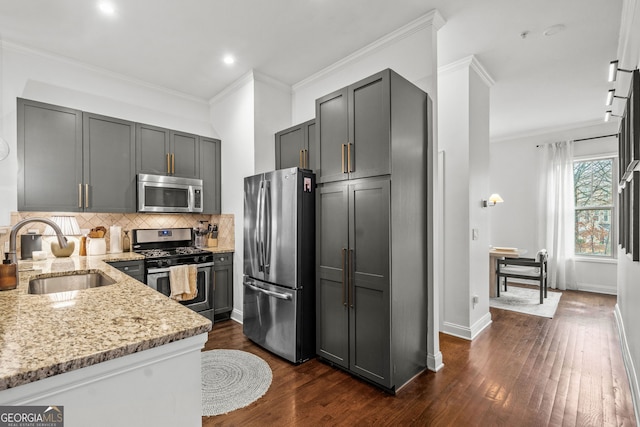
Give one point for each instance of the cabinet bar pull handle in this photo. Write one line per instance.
(168, 163)
(342, 157)
(349, 157)
(306, 159)
(86, 195)
(173, 163)
(214, 281)
(79, 195)
(301, 160)
(344, 252)
(351, 296)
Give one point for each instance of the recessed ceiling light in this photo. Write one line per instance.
(229, 59)
(554, 29)
(106, 8)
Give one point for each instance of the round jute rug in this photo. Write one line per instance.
(232, 379)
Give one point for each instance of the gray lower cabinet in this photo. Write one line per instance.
(371, 231)
(353, 126)
(296, 146)
(163, 151)
(73, 161)
(223, 286)
(210, 174)
(134, 268)
(353, 319)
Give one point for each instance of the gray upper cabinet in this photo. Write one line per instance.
(371, 229)
(296, 147)
(73, 161)
(109, 168)
(210, 174)
(49, 157)
(152, 150)
(353, 130)
(332, 135)
(163, 151)
(185, 149)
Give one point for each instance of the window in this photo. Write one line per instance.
(594, 214)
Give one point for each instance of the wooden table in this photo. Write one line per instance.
(494, 255)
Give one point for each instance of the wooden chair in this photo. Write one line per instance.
(524, 268)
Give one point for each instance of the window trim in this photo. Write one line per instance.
(613, 233)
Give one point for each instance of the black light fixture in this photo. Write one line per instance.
(611, 95)
(613, 70)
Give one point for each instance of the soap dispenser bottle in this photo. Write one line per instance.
(7, 274)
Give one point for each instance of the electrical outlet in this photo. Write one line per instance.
(474, 234)
(475, 299)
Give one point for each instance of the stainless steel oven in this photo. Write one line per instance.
(164, 248)
(158, 279)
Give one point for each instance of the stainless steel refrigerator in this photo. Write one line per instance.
(279, 262)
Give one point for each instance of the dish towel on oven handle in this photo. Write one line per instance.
(183, 282)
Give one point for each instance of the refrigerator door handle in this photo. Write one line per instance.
(258, 233)
(268, 222)
(269, 293)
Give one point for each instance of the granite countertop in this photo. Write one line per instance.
(220, 249)
(46, 335)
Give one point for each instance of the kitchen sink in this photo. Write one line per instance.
(74, 281)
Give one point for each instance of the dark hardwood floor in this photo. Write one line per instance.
(521, 371)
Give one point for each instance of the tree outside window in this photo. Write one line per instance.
(593, 181)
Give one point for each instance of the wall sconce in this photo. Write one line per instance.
(611, 95)
(613, 70)
(608, 115)
(493, 200)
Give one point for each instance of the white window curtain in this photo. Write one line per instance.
(556, 215)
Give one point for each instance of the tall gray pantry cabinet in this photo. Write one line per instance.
(371, 286)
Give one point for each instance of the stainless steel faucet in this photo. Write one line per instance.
(14, 232)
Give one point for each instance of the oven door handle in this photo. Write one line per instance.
(166, 270)
(270, 293)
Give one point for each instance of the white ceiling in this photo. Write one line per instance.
(541, 82)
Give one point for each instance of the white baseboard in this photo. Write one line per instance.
(466, 332)
(434, 362)
(237, 315)
(584, 287)
(598, 289)
(628, 363)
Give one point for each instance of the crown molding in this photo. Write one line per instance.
(275, 83)
(431, 19)
(549, 131)
(472, 62)
(19, 48)
(248, 77)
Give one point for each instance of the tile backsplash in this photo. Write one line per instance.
(127, 222)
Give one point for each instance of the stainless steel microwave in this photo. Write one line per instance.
(169, 194)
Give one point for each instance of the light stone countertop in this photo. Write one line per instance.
(220, 249)
(46, 335)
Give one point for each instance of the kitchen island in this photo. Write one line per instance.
(121, 354)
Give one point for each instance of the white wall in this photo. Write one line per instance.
(272, 114)
(627, 313)
(514, 175)
(464, 138)
(232, 114)
(42, 77)
(409, 51)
